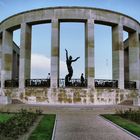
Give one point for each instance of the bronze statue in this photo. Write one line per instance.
(69, 67)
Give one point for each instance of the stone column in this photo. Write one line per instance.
(89, 53)
(118, 55)
(7, 49)
(0, 53)
(0, 57)
(25, 54)
(55, 53)
(14, 66)
(134, 61)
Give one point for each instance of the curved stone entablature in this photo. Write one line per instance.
(100, 16)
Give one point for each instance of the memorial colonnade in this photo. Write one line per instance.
(89, 16)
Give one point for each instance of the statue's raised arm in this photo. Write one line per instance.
(66, 54)
(75, 59)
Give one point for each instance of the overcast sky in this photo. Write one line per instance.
(71, 35)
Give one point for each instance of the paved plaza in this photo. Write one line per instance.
(76, 122)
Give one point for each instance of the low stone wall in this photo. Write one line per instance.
(72, 95)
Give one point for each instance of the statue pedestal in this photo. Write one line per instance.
(5, 100)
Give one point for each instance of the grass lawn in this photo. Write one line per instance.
(124, 123)
(5, 116)
(44, 129)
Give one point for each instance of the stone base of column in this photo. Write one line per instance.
(5, 100)
(91, 85)
(136, 101)
(21, 93)
(138, 85)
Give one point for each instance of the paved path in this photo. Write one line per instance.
(79, 122)
(84, 123)
(87, 126)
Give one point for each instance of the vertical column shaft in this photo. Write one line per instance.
(126, 64)
(55, 54)
(7, 47)
(134, 61)
(0, 56)
(118, 55)
(89, 53)
(15, 73)
(14, 66)
(25, 54)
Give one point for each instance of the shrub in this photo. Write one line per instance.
(133, 115)
(18, 124)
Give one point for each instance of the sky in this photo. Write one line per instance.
(71, 35)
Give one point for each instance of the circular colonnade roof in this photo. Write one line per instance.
(70, 14)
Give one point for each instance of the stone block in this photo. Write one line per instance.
(5, 100)
(31, 99)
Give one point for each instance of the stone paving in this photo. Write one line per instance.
(87, 126)
(80, 122)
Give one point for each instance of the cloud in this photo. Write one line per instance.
(39, 61)
(40, 66)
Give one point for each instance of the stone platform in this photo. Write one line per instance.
(81, 96)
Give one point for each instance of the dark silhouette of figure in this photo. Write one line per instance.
(69, 67)
(66, 81)
(48, 79)
(82, 80)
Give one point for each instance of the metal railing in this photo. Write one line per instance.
(98, 83)
(72, 83)
(12, 83)
(130, 85)
(106, 83)
(37, 83)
